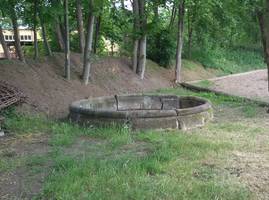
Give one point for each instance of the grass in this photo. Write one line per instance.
(230, 61)
(115, 163)
(205, 83)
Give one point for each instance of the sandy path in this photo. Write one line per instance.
(252, 85)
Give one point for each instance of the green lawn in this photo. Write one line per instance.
(116, 163)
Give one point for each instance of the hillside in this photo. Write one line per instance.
(48, 92)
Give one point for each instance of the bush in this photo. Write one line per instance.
(161, 47)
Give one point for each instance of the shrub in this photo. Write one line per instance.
(161, 47)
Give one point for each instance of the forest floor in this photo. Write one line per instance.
(227, 159)
(253, 85)
(47, 91)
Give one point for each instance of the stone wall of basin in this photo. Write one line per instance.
(143, 111)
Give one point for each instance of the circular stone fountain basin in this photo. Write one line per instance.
(143, 111)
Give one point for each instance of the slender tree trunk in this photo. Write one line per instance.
(156, 11)
(35, 32)
(260, 16)
(141, 66)
(59, 35)
(265, 31)
(16, 34)
(112, 48)
(142, 57)
(136, 30)
(80, 26)
(97, 31)
(58, 28)
(190, 30)
(88, 46)
(67, 41)
(135, 53)
(173, 15)
(44, 36)
(179, 40)
(4, 44)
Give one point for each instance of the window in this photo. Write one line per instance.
(22, 37)
(10, 37)
(6, 37)
(29, 37)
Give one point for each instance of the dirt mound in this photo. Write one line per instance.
(49, 92)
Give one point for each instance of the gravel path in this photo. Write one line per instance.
(253, 85)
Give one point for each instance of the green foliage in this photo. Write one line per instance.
(29, 50)
(230, 60)
(161, 47)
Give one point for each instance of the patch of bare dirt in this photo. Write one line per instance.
(22, 179)
(252, 168)
(87, 146)
(253, 85)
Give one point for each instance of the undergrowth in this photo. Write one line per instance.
(230, 60)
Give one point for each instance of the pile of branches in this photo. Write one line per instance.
(9, 95)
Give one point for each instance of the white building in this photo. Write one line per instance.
(26, 38)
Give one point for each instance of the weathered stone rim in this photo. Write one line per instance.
(143, 111)
(77, 107)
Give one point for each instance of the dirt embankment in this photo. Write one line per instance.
(47, 91)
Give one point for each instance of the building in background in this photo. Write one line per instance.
(26, 39)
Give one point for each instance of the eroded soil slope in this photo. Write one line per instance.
(47, 91)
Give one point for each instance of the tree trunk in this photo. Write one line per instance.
(66, 42)
(135, 53)
(59, 35)
(112, 48)
(4, 44)
(190, 30)
(88, 46)
(156, 11)
(35, 32)
(16, 34)
(80, 26)
(44, 36)
(141, 66)
(136, 30)
(173, 16)
(265, 31)
(142, 57)
(179, 40)
(260, 16)
(97, 31)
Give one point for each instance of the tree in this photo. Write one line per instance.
(265, 34)
(43, 31)
(13, 16)
(80, 26)
(66, 41)
(141, 66)
(97, 32)
(179, 40)
(192, 8)
(56, 11)
(4, 45)
(136, 31)
(88, 45)
(34, 29)
(140, 43)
